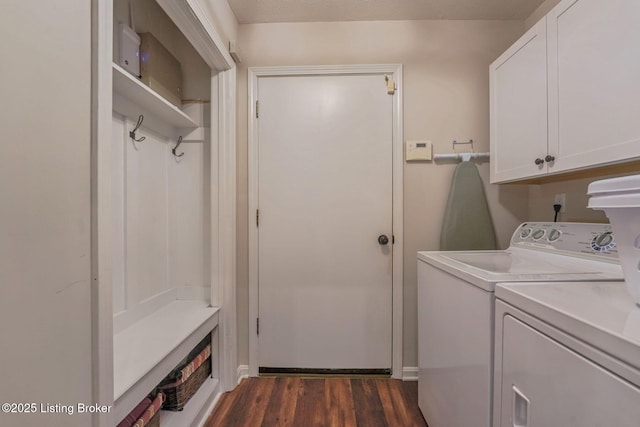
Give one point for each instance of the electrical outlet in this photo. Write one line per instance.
(561, 199)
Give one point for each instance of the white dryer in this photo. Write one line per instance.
(566, 355)
(456, 309)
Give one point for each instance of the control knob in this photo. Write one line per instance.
(538, 234)
(603, 242)
(554, 235)
(525, 232)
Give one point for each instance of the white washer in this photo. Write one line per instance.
(456, 309)
(566, 354)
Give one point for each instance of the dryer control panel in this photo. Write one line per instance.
(575, 238)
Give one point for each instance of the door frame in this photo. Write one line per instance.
(395, 71)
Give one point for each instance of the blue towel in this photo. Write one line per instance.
(467, 221)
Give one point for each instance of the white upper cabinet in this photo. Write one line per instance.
(518, 81)
(590, 92)
(594, 86)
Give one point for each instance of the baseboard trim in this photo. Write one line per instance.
(324, 372)
(209, 410)
(410, 373)
(243, 372)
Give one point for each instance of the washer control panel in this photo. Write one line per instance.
(584, 238)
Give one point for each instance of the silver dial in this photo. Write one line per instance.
(603, 242)
(525, 232)
(554, 235)
(538, 234)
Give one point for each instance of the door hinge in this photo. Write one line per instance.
(257, 217)
(257, 109)
(257, 326)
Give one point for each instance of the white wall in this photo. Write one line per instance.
(159, 210)
(45, 216)
(574, 185)
(542, 198)
(446, 97)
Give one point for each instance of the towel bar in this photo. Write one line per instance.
(461, 156)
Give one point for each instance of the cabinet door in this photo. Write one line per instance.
(546, 384)
(518, 85)
(594, 66)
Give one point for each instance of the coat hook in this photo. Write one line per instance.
(132, 134)
(173, 150)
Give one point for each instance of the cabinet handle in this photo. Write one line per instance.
(539, 161)
(520, 409)
(549, 158)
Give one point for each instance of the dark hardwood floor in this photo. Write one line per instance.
(314, 402)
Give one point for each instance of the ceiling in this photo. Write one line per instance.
(255, 11)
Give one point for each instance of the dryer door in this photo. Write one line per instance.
(546, 384)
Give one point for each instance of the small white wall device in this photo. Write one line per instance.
(129, 54)
(419, 150)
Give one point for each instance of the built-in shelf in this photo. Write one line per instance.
(145, 352)
(195, 409)
(135, 98)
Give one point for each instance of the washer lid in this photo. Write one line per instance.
(486, 268)
(507, 263)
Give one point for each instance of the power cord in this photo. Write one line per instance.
(556, 208)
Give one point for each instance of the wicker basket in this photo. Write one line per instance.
(181, 386)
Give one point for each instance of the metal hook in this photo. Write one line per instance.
(132, 134)
(173, 150)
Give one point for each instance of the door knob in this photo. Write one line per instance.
(539, 161)
(549, 158)
(382, 239)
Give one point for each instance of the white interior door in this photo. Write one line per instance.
(325, 196)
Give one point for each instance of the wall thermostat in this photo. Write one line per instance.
(419, 150)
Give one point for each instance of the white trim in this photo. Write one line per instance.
(254, 73)
(410, 373)
(209, 408)
(227, 226)
(398, 226)
(196, 412)
(191, 19)
(214, 195)
(243, 372)
(101, 289)
(252, 166)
